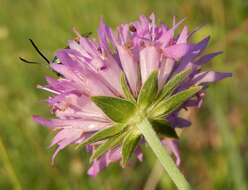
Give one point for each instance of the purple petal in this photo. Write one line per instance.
(65, 133)
(130, 68)
(194, 50)
(64, 138)
(153, 26)
(104, 33)
(168, 34)
(104, 65)
(61, 85)
(86, 125)
(149, 61)
(209, 76)
(86, 80)
(199, 47)
(177, 51)
(96, 168)
(206, 58)
(110, 73)
(165, 69)
(179, 122)
(104, 161)
(183, 36)
(42, 121)
(172, 146)
(75, 46)
(114, 155)
(139, 154)
(197, 101)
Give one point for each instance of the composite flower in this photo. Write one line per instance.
(109, 84)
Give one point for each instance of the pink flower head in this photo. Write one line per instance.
(93, 67)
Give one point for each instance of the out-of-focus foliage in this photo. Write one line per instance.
(214, 149)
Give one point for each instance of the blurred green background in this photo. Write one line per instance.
(214, 150)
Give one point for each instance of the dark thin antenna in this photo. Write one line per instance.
(38, 51)
(27, 61)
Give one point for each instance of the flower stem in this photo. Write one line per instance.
(163, 156)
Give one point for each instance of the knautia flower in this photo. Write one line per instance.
(108, 86)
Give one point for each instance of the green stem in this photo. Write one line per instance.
(163, 156)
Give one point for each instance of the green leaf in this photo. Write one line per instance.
(128, 146)
(108, 145)
(126, 88)
(117, 109)
(173, 83)
(105, 133)
(149, 91)
(163, 127)
(172, 103)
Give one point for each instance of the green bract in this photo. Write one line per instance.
(162, 127)
(109, 144)
(171, 103)
(126, 89)
(129, 144)
(128, 113)
(148, 91)
(105, 133)
(172, 84)
(117, 109)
